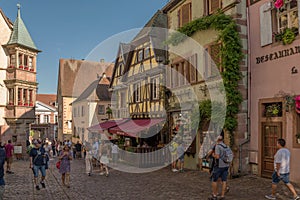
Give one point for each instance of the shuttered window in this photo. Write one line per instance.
(193, 68)
(185, 14)
(213, 60)
(265, 24)
(214, 5)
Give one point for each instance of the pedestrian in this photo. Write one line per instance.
(38, 163)
(9, 149)
(173, 150)
(2, 161)
(180, 153)
(220, 170)
(65, 165)
(282, 170)
(78, 148)
(103, 154)
(88, 158)
(84, 151)
(115, 153)
(53, 146)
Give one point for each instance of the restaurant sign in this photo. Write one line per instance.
(278, 54)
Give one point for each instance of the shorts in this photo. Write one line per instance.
(9, 160)
(174, 157)
(220, 173)
(181, 158)
(36, 169)
(283, 177)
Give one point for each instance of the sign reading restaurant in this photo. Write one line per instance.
(278, 54)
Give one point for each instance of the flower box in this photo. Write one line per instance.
(26, 68)
(21, 66)
(26, 104)
(31, 104)
(11, 66)
(10, 103)
(20, 103)
(31, 69)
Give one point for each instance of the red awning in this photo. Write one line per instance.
(134, 126)
(106, 125)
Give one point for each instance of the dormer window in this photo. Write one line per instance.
(140, 55)
(147, 52)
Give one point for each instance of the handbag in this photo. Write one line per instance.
(58, 164)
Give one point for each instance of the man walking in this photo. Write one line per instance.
(220, 170)
(9, 149)
(38, 163)
(281, 170)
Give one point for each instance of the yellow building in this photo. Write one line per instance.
(196, 68)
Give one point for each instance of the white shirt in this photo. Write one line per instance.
(114, 149)
(282, 156)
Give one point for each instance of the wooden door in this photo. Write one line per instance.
(271, 131)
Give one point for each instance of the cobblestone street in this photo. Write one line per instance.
(161, 184)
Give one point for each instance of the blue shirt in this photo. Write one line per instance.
(38, 156)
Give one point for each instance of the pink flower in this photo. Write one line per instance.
(279, 3)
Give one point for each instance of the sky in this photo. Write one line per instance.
(75, 28)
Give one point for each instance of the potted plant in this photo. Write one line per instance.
(273, 110)
(298, 138)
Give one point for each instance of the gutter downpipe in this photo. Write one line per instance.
(249, 96)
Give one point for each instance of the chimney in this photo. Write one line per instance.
(102, 60)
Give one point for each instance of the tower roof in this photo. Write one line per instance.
(20, 34)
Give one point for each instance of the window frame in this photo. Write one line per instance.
(101, 109)
(154, 88)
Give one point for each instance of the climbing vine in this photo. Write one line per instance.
(231, 55)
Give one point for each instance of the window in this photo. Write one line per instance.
(273, 21)
(20, 59)
(140, 55)
(287, 15)
(56, 119)
(154, 88)
(137, 92)
(30, 62)
(25, 60)
(184, 14)
(13, 60)
(213, 6)
(147, 52)
(46, 119)
(11, 96)
(193, 68)
(30, 97)
(120, 69)
(38, 119)
(25, 97)
(82, 111)
(101, 109)
(123, 100)
(20, 96)
(213, 60)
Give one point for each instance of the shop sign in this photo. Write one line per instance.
(278, 54)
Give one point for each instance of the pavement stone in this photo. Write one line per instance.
(161, 184)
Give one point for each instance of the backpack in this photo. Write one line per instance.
(228, 154)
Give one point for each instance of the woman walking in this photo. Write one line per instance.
(104, 153)
(65, 165)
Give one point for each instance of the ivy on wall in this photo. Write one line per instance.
(231, 56)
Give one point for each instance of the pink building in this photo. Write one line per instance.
(274, 43)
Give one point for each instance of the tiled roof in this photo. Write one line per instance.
(96, 91)
(159, 20)
(76, 75)
(48, 99)
(20, 34)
